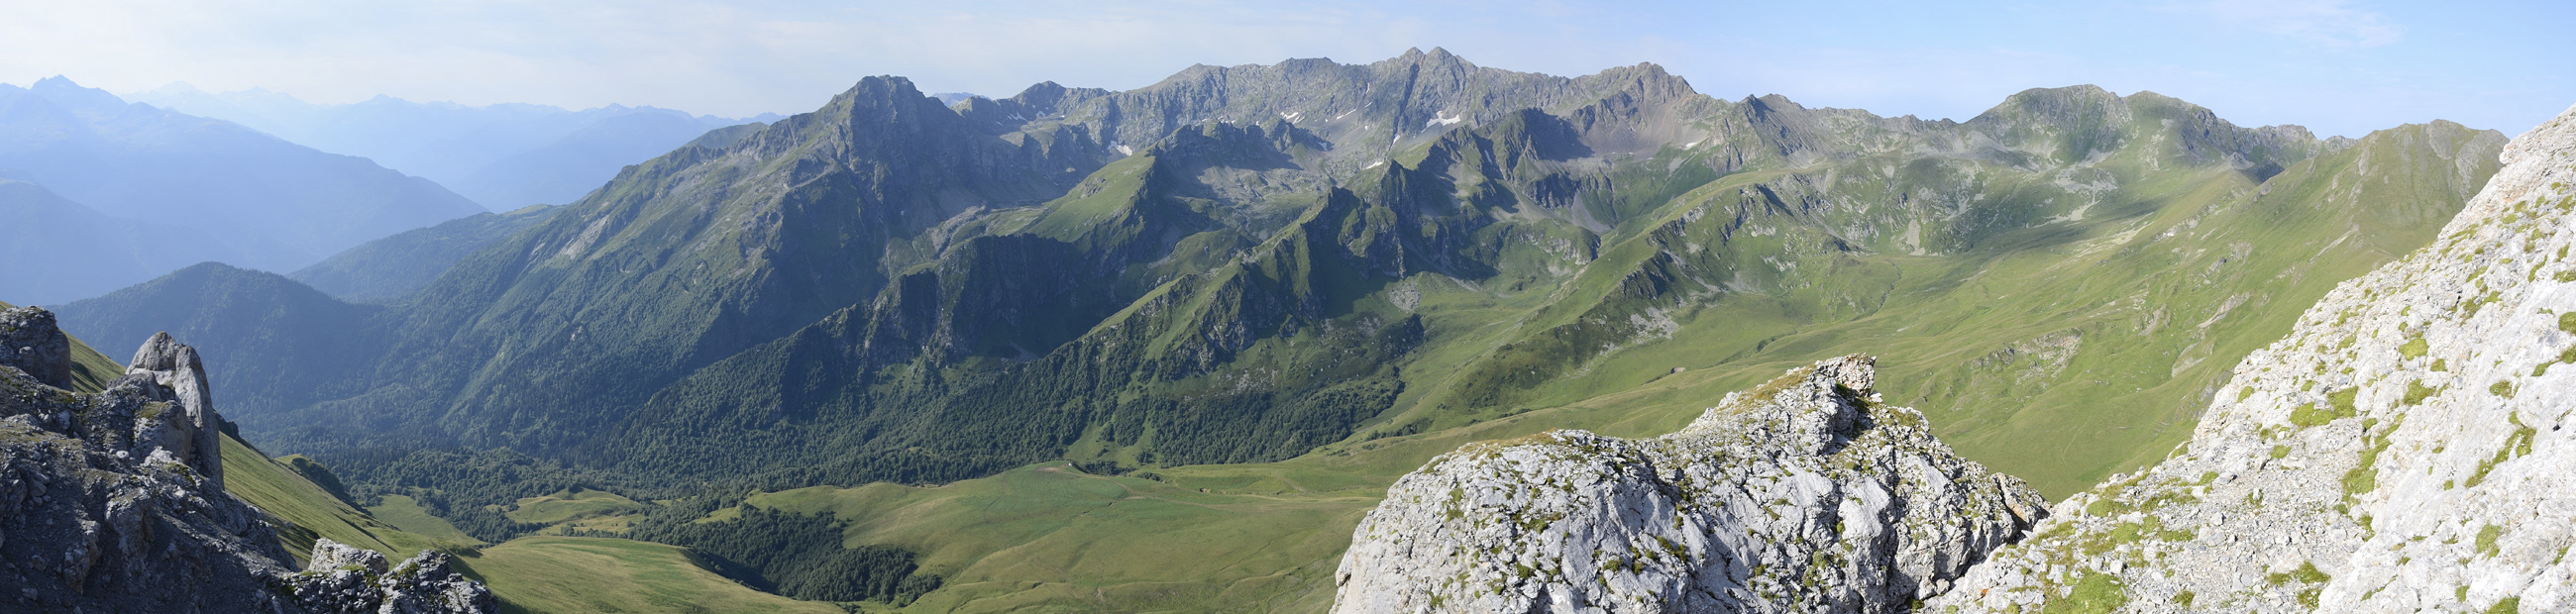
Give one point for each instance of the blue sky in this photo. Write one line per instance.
(2339, 67)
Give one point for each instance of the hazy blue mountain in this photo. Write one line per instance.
(564, 169)
(277, 342)
(56, 250)
(504, 155)
(275, 204)
(392, 267)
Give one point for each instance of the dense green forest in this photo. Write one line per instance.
(796, 555)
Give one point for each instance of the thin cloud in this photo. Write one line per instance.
(2328, 24)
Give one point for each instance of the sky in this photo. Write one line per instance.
(2339, 67)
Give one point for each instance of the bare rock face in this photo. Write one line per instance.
(114, 502)
(340, 578)
(30, 341)
(2405, 449)
(426, 585)
(331, 556)
(1803, 495)
(193, 434)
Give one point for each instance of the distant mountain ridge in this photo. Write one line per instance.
(392, 267)
(57, 250)
(237, 194)
(505, 156)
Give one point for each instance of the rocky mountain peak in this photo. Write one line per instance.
(2060, 104)
(1803, 494)
(71, 96)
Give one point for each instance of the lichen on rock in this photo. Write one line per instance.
(1804, 494)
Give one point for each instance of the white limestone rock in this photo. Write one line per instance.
(1803, 495)
(330, 555)
(2404, 449)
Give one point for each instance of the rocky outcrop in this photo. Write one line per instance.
(1803, 495)
(342, 578)
(2404, 449)
(114, 502)
(30, 341)
(176, 377)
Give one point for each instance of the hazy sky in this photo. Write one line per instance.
(2339, 67)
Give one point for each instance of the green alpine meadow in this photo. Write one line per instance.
(1162, 349)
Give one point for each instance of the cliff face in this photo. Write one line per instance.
(1803, 495)
(2404, 449)
(115, 501)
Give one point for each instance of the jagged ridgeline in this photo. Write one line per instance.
(1240, 264)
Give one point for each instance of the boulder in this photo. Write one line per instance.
(30, 341)
(1807, 494)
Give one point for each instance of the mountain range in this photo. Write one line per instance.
(505, 156)
(1258, 294)
(206, 189)
(113, 252)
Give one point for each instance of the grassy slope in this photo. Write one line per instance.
(568, 506)
(572, 575)
(531, 574)
(405, 514)
(308, 510)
